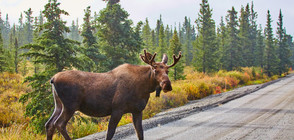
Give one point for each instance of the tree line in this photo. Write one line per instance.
(108, 39)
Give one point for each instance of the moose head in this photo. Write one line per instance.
(160, 70)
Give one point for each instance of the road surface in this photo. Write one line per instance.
(267, 114)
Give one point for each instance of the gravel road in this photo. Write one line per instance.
(265, 111)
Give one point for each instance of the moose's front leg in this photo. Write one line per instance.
(137, 120)
(114, 120)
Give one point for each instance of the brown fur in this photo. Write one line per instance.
(125, 89)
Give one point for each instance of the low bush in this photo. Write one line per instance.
(197, 85)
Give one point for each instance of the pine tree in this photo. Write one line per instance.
(175, 46)
(207, 50)
(270, 59)
(283, 48)
(56, 53)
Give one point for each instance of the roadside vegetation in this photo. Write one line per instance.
(197, 85)
(216, 58)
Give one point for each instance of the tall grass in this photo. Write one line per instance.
(197, 85)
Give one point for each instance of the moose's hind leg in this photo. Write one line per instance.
(62, 120)
(50, 128)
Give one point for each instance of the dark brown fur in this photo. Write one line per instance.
(125, 89)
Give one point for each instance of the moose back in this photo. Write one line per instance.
(125, 89)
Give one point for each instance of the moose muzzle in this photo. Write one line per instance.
(166, 86)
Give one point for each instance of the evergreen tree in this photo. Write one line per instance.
(29, 26)
(270, 59)
(5, 32)
(233, 51)
(259, 51)
(157, 30)
(223, 45)
(187, 41)
(161, 49)
(245, 42)
(147, 37)
(56, 53)
(16, 56)
(90, 44)
(74, 31)
(2, 56)
(253, 36)
(283, 47)
(207, 50)
(167, 36)
(175, 46)
(291, 46)
(116, 36)
(21, 36)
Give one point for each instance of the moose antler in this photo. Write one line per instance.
(176, 59)
(148, 58)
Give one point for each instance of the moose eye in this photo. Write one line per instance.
(167, 72)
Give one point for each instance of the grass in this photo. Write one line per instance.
(197, 85)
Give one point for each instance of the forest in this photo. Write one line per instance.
(38, 47)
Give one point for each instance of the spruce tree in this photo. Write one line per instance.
(56, 53)
(207, 49)
(147, 37)
(253, 35)
(233, 52)
(28, 26)
(16, 55)
(175, 46)
(259, 51)
(283, 50)
(245, 42)
(2, 56)
(162, 47)
(270, 60)
(119, 41)
(187, 41)
(222, 43)
(90, 44)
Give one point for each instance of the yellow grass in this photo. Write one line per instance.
(14, 126)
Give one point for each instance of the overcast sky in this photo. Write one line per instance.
(172, 11)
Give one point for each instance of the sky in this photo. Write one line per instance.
(172, 11)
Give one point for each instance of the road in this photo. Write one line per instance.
(267, 114)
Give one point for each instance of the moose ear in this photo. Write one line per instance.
(164, 59)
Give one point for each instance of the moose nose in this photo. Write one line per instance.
(166, 86)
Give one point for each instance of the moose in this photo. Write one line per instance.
(125, 89)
